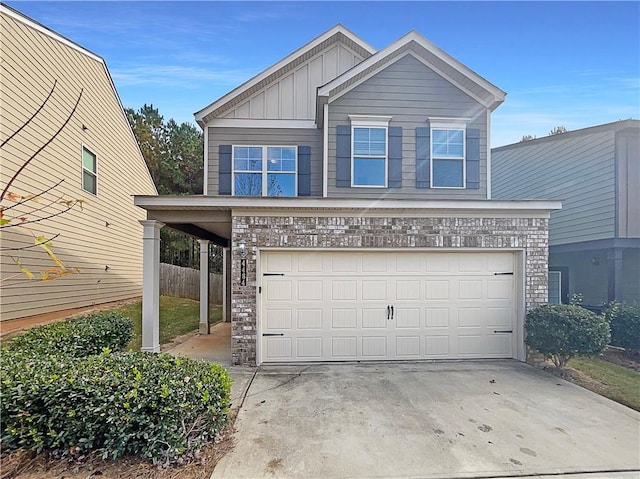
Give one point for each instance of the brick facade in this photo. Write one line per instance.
(527, 234)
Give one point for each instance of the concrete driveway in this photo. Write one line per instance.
(427, 420)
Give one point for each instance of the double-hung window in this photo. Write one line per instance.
(89, 171)
(264, 170)
(369, 151)
(447, 155)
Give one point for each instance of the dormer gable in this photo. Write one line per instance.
(287, 89)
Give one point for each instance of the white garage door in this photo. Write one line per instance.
(347, 306)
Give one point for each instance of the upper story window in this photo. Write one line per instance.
(448, 155)
(369, 148)
(264, 170)
(89, 171)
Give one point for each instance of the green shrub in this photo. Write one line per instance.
(152, 405)
(625, 325)
(561, 331)
(78, 337)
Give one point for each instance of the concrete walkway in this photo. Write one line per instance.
(428, 420)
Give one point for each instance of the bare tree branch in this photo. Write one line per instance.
(24, 165)
(32, 116)
(37, 220)
(21, 202)
(32, 245)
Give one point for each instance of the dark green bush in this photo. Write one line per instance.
(78, 337)
(625, 325)
(152, 405)
(561, 331)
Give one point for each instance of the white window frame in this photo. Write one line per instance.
(363, 121)
(449, 124)
(83, 169)
(559, 273)
(264, 172)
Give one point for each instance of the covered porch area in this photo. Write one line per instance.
(209, 224)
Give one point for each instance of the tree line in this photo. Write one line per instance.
(174, 154)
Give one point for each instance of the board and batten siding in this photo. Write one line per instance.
(628, 171)
(311, 137)
(105, 232)
(577, 169)
(293, 96)
(410, 93)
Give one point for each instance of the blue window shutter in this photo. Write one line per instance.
(423, 157)
(304, 171)
(395, 157)
(473, 158)
(224, 170)
(343, 155)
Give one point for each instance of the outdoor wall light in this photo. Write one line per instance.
(242, 248)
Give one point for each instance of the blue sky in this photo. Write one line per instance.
(575, 64)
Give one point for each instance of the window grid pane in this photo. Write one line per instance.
(252, 163)
(369, 141)
(448, 143)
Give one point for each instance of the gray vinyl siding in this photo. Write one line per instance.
(628, 172)
(410, 92)
(577, 169)
(265, 136)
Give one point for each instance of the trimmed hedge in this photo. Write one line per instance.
(78, 337)
(152, 405)
(625, 325)
(561, 331)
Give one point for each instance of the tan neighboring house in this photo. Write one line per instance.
(95, 155)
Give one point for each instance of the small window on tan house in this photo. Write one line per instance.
(89, 171)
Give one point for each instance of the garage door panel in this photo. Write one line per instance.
(374, 318)
(309, 319)
(345, 347)
(279, 319)
(408, 290)
(333, 305)
(499, 318)
(344, 318)
(437, 289)
(471, 345)
(499, 289)
(309, 348)
(344, 290)
(374, 290)
(470, 317)
(374, 346)
(498, 345)
(279, 290)
(309, 290)
(469, 289)
(408, 347)
(407, 318)
(437, 317)
(437, 346)
(278, 348)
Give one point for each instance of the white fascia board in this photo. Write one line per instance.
(10, 12)
(294, 204)
(488, 153)
(499, 95)
(260, 123)
(205, 189)
(339, 28)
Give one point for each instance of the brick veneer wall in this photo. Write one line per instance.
(529, 234)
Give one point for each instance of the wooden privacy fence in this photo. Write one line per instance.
(185, 283)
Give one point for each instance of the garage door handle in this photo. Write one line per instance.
(273, 334)
(272, 274)
(388, 312)
(503, 331)
(391, 311)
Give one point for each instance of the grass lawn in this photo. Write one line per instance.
(610, 380)
(177, 316)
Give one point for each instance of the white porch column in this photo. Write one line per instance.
(225, 290)
(204, 286)
(151, 285)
